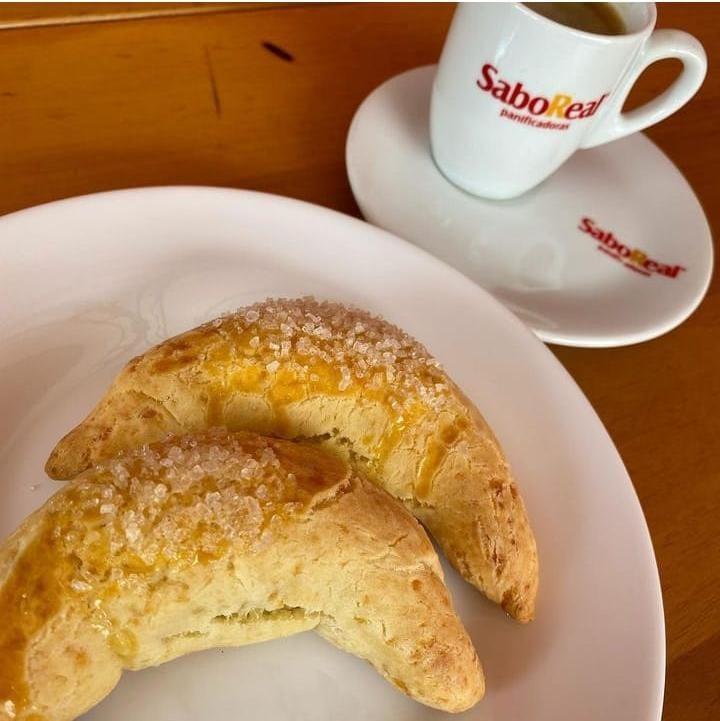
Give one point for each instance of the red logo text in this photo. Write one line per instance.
(632, 258)
(517, 96)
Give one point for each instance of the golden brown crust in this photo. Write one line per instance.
(220, 539)
(301, 368)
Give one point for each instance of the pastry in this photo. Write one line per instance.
(318, 370)
(220, 539)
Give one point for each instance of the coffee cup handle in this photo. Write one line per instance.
(613, 123)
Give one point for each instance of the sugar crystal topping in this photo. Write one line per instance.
(183, 501)
(345, 348)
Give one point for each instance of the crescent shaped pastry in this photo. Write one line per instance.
(308, 369)
(220, 540)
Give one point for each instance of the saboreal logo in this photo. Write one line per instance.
(517, 96)
(632, 258)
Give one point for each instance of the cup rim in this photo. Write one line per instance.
(584, 34)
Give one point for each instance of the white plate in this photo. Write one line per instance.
(531, 252)
(86, 283)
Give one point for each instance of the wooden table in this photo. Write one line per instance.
(100, 97)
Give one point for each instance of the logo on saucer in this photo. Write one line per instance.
(517, 96)
(632, 258)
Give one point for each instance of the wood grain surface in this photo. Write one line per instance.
(24, 15)
(262, 99)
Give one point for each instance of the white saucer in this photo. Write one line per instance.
(530, 253)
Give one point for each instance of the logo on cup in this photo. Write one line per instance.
(561, 106)
(632, 258)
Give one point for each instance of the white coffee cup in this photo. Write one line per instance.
(516, 94)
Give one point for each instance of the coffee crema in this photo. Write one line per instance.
(598, 18)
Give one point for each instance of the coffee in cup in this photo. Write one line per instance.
(598, 18)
